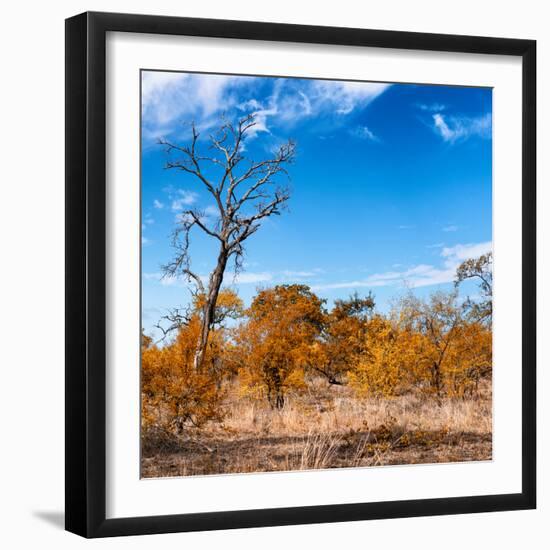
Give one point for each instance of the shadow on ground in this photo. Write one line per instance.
(56, 519)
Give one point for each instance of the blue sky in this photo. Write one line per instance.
(391, 188)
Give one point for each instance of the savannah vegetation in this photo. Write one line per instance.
(290, 382)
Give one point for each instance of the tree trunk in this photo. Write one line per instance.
(209, 308)
(436, 378)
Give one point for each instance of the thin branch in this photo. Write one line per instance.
(198, 221)
(176, 318)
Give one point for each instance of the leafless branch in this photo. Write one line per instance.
(176, 318)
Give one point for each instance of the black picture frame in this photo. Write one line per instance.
(86, 279)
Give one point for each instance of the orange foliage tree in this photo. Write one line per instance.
(470, 359)
(436, 321)
(343, 338)
(383, 369)
(273, 346)
(449, 350)
(176, 394)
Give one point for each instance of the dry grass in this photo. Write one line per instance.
(326, 428)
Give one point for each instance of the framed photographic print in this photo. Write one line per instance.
(300, 274)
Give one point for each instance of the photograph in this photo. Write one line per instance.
(316, 274)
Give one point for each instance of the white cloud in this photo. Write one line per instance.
(241, 278)
(446, 133)
(183, 218)
(181, 198)
(250, 277)
(207, 216)
(211, 211)
(294, 99)
(453, 129)
(157, 204)
(250, 105)
(450, 228)
(169, 280)
(461, 252)
(432, 107)
(287, 104)
(152, 276)
(363, 132)
(170, 98)
(289, 274)
(344, 97)
(172, 281)
(286, 275)
(419, 275)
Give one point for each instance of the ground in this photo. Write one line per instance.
(326, 427)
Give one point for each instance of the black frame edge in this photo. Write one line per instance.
(312, 34)
(529, 273)
(337, 513)
(76, 70)
(85, 275)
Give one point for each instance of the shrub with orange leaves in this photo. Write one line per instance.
(470, 360)
(174, 393)
(381, 369)
(343, 338)
(273, 346)
(449, 351)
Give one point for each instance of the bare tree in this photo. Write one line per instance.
(245, 192)
(480, 269)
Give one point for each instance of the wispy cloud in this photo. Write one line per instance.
(181, 198)
(461, 252)
(249, 277)
(211, 211)
(454, 129)
(431, 107)
(450, 228)
(275, 277)
(291, 275)
(148, 220)
(151, 276)
(363, 132)
(344, 97)
(169, 99)
(419, 275)
(415, 276)
(241, 278)
(293, 100)
(208, 215)
(157, 204)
